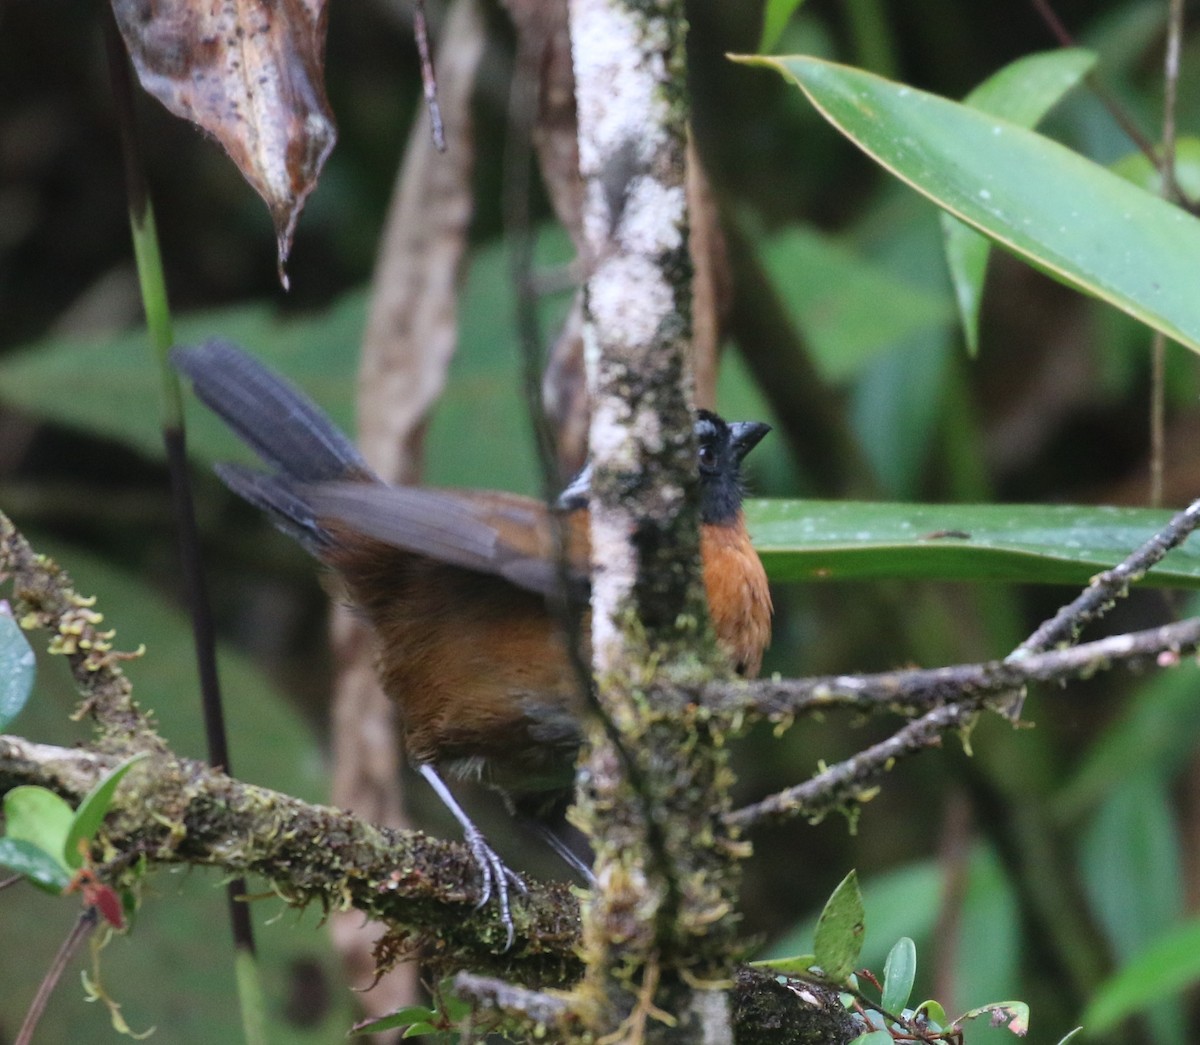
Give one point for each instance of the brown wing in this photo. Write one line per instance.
(454, 584)
(490, 532)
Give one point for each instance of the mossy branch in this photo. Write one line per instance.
(44, 597)
(172, 810)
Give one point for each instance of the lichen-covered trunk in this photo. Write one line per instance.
(658, 933)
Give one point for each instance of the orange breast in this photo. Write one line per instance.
(739, 600)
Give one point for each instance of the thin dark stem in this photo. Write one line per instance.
(204, 639)
(518, 232)
(195, 588)
(1158, 416)
(122, 86)
(1166, 166)
(1115, 109)
(428, 78)
(1054, 23)
(83, 927)
(1169, 187)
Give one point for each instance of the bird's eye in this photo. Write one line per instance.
(708, 456)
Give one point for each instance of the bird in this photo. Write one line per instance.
(460, 586)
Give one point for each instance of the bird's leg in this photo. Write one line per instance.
(547, 833)
(491, 868)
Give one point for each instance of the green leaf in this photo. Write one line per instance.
(1131, 862)
(1166, 967)
(776, 16)
(899, 972)
(1059, 211)
(905, 902)
(88, 384)
(990, 912)
(18, 667)
(483, 391)
(849, 308)
(33, 814)
(1025, 90)
(1022, 92)
(798, 963)
(1158, 727)
(81, 383)
(406, 1017)
(934, 1012)
(874, 1037)
(1049, 544)
(839, 936)
(39, 866)
(91, 811)
(1131, 866)
(1013, 1014)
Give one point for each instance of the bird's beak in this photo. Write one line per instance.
(746, 435)
(577, 492)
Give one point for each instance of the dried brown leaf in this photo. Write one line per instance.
(251, 74)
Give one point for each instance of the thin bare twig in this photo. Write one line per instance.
(1169, 188)
(428, 77)
(1105, 588)
(1166, 166)
(961, 690)
(917, 690)
(84, 924)
(550, 1011)
(1115, 109)
(969, 687)
(852, 781)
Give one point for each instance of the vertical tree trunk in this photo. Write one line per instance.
(659, 925)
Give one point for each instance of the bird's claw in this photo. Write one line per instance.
(496, 876)
(491, 868)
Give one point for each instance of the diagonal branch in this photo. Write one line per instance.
(914, 691)
(957, 694)
(1105, 588)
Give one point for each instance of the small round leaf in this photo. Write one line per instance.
(17, 669)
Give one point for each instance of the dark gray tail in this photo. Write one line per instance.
(291, 434)
(274, 418)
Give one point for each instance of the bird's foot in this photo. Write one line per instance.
(497, 877)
